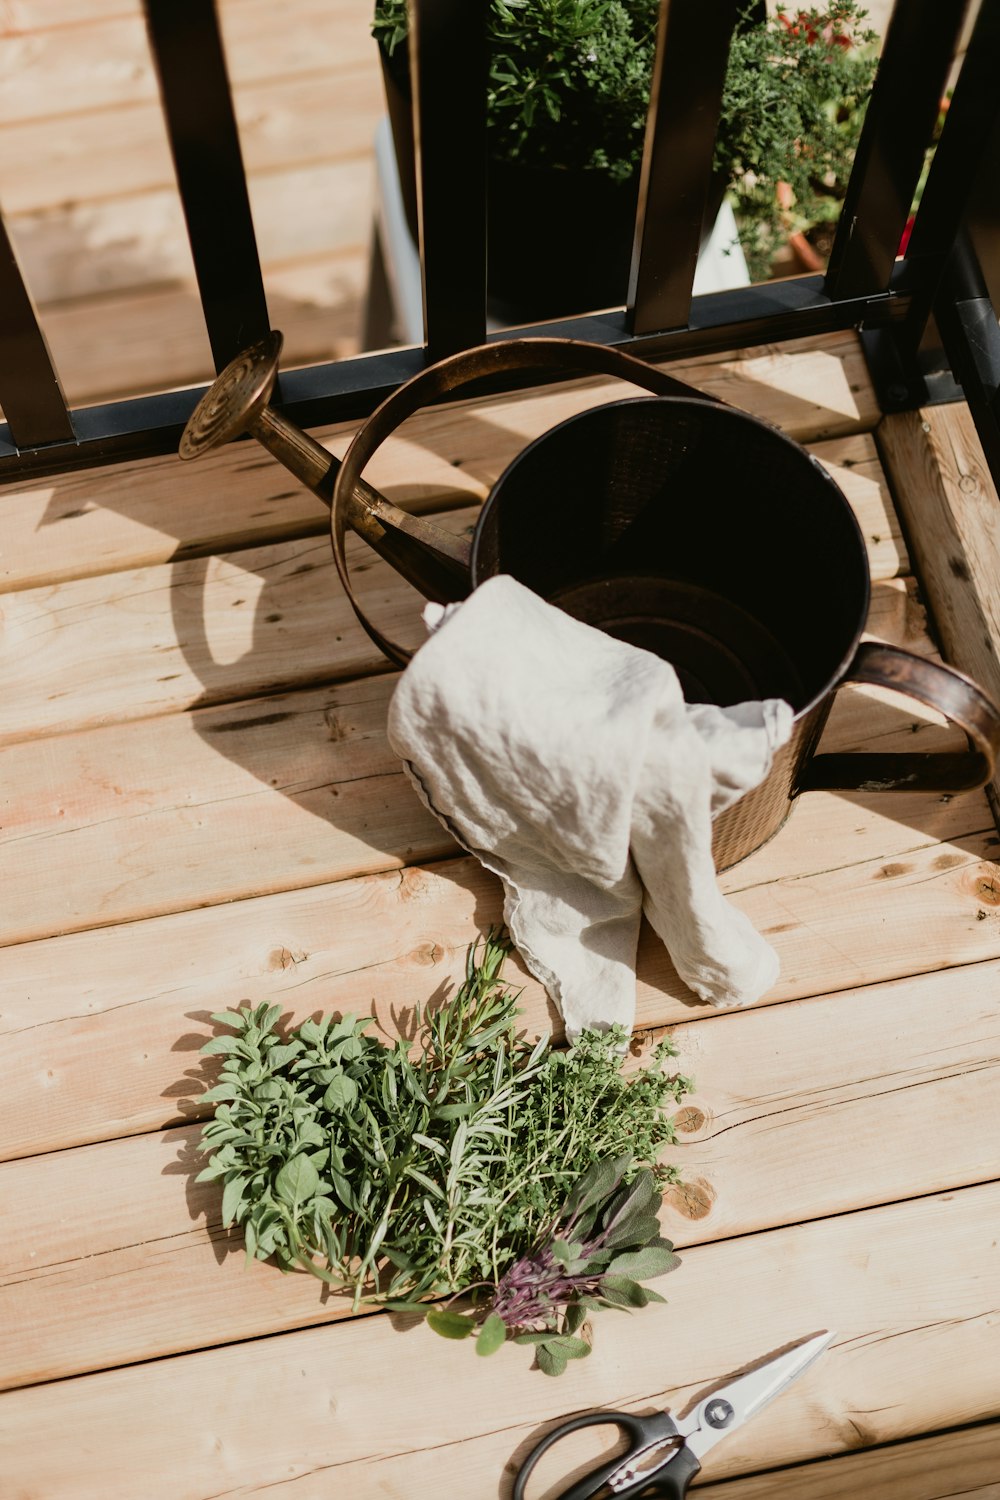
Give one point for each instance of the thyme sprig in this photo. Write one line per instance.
(468, 1162)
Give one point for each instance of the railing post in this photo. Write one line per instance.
(32, 400)
(689, 74)
(197, 105)
(913, 70)
(963, 188)
(448, 66)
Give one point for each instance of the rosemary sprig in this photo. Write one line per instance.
(526, 1175)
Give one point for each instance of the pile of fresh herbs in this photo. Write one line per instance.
(524, 1179)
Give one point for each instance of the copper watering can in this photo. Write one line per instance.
(672, 521)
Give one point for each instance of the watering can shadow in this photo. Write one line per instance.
(672, 521)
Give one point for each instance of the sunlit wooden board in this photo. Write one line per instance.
(136, 514)
(52, 69)
(129, 344)
(910, 1289)
(122, 148)
(88, 248)
(951, 505)
(136, 995)
(160, 814)
(215, 629)
(965, 1462)
(798, 1112)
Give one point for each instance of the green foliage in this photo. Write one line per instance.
(792, 112)
(568, 79)
(569, 87)
(468, 1161)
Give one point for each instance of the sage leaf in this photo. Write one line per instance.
(631, 1232)
(624, 1291)
(223, 1044)
(492, 1334)
(550, 1362)
(596, 1184)
(450, 1325)
(277, 1057)
(232, 1197)
(569, 1348)
(297, 1181)
(641, 1265)
(341, 1093)
(576, 1316)
(221, 1091)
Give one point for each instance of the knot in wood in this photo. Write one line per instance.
(986, 888)
(692, 1199)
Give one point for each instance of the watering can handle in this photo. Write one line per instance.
(940, 687)
(448, 377)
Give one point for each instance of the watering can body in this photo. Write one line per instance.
(670, 520)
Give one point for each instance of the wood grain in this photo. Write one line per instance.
(260, 620)
(871, 1080)
(799, 1112)
(129, 344)
(161, 814)
(914, 1351)
(94, 246)
(950, 505)
(121, 148)
(136, 995)
(54, 69)
(949, 1464)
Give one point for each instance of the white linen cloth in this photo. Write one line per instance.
(569, 764)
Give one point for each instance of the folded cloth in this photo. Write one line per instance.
(569, 764)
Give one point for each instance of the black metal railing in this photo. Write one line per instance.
(927, 320)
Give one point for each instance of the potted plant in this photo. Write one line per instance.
(568, 92)
(792, 111)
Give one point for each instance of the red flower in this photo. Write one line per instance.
(804, 25)
(905, 239)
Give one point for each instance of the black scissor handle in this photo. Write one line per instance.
(670, 1481)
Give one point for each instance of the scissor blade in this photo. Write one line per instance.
(748, 1394)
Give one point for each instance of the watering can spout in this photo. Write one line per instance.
(434, 560)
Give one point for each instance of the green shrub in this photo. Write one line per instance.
(569, 87)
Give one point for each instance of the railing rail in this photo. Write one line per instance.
(924, 318)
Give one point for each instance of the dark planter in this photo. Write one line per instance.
(558, 242)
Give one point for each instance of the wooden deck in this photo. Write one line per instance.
(199, 808)
(88, 190)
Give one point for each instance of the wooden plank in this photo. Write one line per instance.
(787, 1096)
(915, 1350)
(952, 510)
(137, 514)
(151, 641)
(299, 791)
(91, 247)
(130, 344)
(268, 794)
(63, 70)
(20, 16)
(255, 621)
(942, 1467)
(112, 152)
(129, 994)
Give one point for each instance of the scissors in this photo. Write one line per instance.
(665, 1454)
